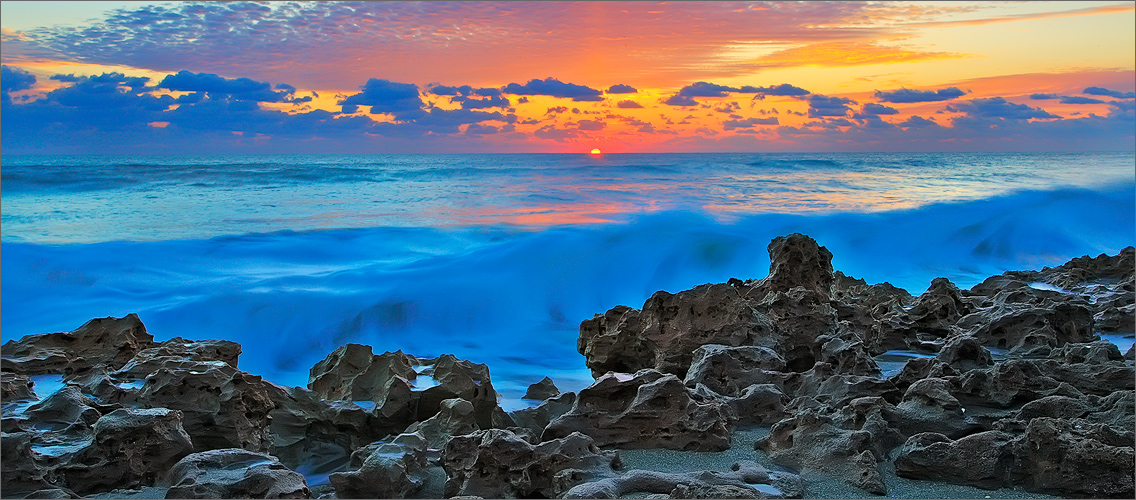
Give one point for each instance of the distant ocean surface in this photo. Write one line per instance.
(497, 258)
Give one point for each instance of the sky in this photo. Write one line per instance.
(456, 77)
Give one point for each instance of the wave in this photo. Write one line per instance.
(513, 296)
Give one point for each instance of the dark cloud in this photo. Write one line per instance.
(489, 102)
(998, 108)
(239, 88)
(628, 104)
(910, 96)
(748, 123)
(777, 90)
(871, 108)
(557, 109)
(285, 87)
(1109, 93)
(621, 89)
(1076, 99)
(591, 125)
(821, 106)
(686, 95)
(464, 90)
(555, 88)
(478, 129)
(916, 121)
(384, 96)
(522, 100)
(13, 79)
(556, 134)
(1042, 97)
(70, 78)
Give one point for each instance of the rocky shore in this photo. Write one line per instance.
(1006, 385)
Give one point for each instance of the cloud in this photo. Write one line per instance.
(871, 108)
(555, 88)
(903, 96)
(1110, 93)
(748, 123)
(13, 79)
(478, 129)
(998, 108)
(847, 53)
(557, 109)
(1076, 99)
(239, 88)
(1042, 97)
(556, 134)
(621, 89)
(685, 96)
(821, 106)
(915, 121)
(489, 102)
(464, 90)
(628, 104)
(591, 125)
(384, 96)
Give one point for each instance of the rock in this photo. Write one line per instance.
(823, 383)
(131, 448)
(53, 493)
(756, 405)
(646, 410)
(14, 386)
(307, 429)
(746, 479)
(353, 373)
(390, 470)
(222, 407)
(1015, 310)
(537, 418)
(1015, 381)
(1071, 457)
(797, 260)
(542, 390)
(1093, 353)
(939, 308)
(965, 353)
(984, 460)
(928, 406)
(459, 378)
(730, 370)
(195, 350)
(812, 440)
(455, 418)
(234, 473)
(847, 356)
(496, 463)
(20, 471)
(109, 342)
(66, 408)
(668, 329)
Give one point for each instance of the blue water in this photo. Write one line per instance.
(497, 258)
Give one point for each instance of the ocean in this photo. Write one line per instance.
(497, 258)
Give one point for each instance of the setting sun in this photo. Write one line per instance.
(596, 152)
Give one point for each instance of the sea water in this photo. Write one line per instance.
(497, 258)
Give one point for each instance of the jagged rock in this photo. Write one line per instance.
(459, 378)
(234, 473)
(757, 404)
(195, 350)
(938, 308)
(542, 390)
(918, 369)
(537, 418)
(354, 373)
(307, 429)
(131, 448)
(68, 407)
(390, 470)
(53, 493)
(1014, 310)
(965, 353)
(984, 459)
(746, 479)
(646, 410)
(109, 342)
(20, 471)
(668, 329)
(823, 383)
(1013, 382)
(222, 407)
(812, 440)
(14, 386)
(797, 260)
(847, 356)
(1093, 353)
(455, 418)
(928, 406)
(1075, 457)
(496, 463)
(730, 370)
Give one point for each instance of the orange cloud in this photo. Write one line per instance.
(848, 53)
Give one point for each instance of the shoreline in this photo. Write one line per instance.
(795, 353)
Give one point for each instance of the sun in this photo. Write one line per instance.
(596, 152)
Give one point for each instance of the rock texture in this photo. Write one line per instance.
(646, 410)
(234, 473)
(745, 479)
